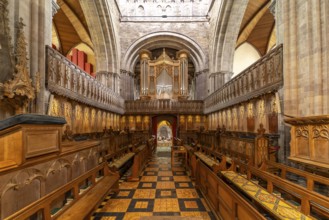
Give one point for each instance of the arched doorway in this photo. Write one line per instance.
(164, 128)
(164, 134)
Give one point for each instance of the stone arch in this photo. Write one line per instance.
(103, 33)
(226, 32)
(164, 39)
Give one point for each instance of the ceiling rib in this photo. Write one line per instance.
(77, 24)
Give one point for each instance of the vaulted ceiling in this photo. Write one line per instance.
(70, 25)
(258, 26)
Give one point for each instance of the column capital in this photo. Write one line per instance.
(145, 54)
(222, 72)
(201, 72)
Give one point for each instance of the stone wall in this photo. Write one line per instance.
(304, 29)
(131, 31)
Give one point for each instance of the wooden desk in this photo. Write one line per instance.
(178, 150)
(271, 203)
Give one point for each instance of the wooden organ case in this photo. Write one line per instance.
(164, 77)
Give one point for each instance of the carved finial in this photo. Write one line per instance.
(261, 130)
(68, 133)
(19, 91)
(223, 129)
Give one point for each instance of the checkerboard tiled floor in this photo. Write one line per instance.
(162, 191)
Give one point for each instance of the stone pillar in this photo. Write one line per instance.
(144, 58)
(305, 56)
(201, 84)
(218, 79)
(37, 17)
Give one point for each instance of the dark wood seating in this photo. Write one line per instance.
(74, 200)
(121, 160)
(311, 203)
(276, 206)
(212, 159)
(141, 154)
(84, 207)
(223, 200)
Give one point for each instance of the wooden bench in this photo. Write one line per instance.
(270, 202)
(141, 154)
(211, 158)
(311, 203)
(223, 200)
(121, 160)
(72, 200)
(84, 207)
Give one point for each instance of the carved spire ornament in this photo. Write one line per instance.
(19, 92)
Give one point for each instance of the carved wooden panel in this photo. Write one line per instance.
(39, 142)
(310, 140)
(302, 141)
(251, 124)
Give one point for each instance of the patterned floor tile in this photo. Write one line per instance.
(163, 190)
(136, 215)
(165, 193)
(165, 173)
(151, 169)
(149, 179)
(124, 194)
(182, 179)
(183, 185)
(166, 213)
(141, 205)
(117, 205)
(165, 185)
(144, 194)
(165, 178)
(179, 173)
(203, 215)
(191, 205)
(187, 193)
(129, 185)
(150, 173)
(146, 185)
(166, 205)
(108, 216)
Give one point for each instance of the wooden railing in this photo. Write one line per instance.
(164, 106)
(67, 79)
(264, 76)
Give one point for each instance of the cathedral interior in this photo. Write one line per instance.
(158, 109)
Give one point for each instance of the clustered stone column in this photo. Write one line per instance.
(110, 80)
(218, 79)
(127, 85)
(303, 27)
